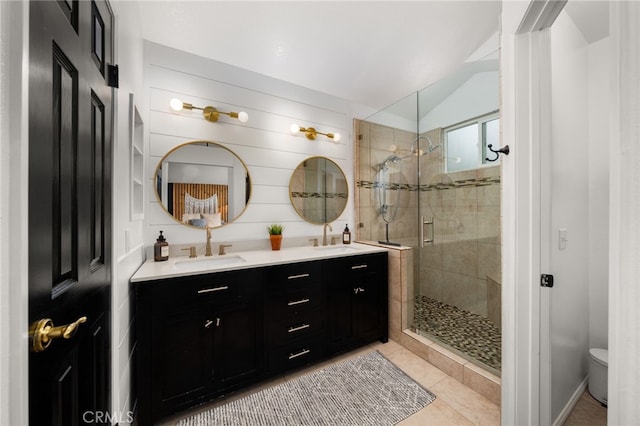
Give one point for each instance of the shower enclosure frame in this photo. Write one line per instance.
(451, 221)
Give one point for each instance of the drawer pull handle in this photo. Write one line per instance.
(358, 290)
(208, 324)
(298, 328)
(359, 267)
(293, 277)
(302, 352)
(209, 290)
(297, 302)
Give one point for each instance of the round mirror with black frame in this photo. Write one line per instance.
(318, 190)
(202, 184)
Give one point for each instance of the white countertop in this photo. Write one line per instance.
(184, 266)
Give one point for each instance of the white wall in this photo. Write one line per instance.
(599, 104)
(476, 97)
(569, 298)
(264, 143)
(580, 201)
(127, 233)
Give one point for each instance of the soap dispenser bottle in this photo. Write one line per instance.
(346, 235)
(161, 249)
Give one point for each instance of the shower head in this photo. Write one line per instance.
(415, 150)
(432, 148)
(392, 159)
(419, 152)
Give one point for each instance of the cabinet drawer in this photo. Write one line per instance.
(289, 304)
(357, 265)
(295, 355)
(294, 277)
(286, 330)
(218, 288)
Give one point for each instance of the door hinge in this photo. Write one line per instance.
(113, 78)
(546, 280)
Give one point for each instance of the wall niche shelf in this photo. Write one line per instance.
(136, 134)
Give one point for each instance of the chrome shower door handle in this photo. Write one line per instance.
(424, 240)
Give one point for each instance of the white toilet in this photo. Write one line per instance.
(598, 370)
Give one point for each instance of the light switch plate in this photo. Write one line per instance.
(562, 239)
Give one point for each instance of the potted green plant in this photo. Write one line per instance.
(275, 234)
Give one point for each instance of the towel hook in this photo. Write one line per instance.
(504, 150)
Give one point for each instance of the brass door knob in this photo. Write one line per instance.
(42, 332)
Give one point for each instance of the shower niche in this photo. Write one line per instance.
(423, 181)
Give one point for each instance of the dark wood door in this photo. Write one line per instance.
(70, 126)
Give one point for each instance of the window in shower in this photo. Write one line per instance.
(467, 143)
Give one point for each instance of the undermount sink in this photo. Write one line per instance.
(201, 264)
(337, 249)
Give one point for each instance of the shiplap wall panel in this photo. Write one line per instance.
(190, 125)
(187, 63)
(264, 144)
(225, 97)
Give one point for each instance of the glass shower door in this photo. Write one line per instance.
(457, 257)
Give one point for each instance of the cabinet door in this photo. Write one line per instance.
(356, 301)
(339, 313)
(365, 302)
(181, 358)
(237, 344)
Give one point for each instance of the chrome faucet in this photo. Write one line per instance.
(207, 251)
(324, 233)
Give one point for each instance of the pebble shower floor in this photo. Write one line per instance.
(465, 331)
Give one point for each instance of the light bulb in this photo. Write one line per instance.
(176, 104)
(294, 128)
(243, 117)
(336, 137)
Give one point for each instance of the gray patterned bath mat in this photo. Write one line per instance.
(366, 390)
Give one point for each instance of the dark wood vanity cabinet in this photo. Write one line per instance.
(294, 321)
(356, 298)
(202, 336)
(198, 337)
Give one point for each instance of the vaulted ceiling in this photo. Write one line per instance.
(370, 53)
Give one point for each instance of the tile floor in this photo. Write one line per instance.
(588, 411)
(472, 334)
(455, 404)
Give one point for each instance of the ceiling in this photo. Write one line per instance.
(369, 53)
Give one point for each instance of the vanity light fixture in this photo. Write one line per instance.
(209, 113)
(312, 133)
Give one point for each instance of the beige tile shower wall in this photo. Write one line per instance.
(400, 290)
(466, 246)
(466, 214)
(373, 147)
